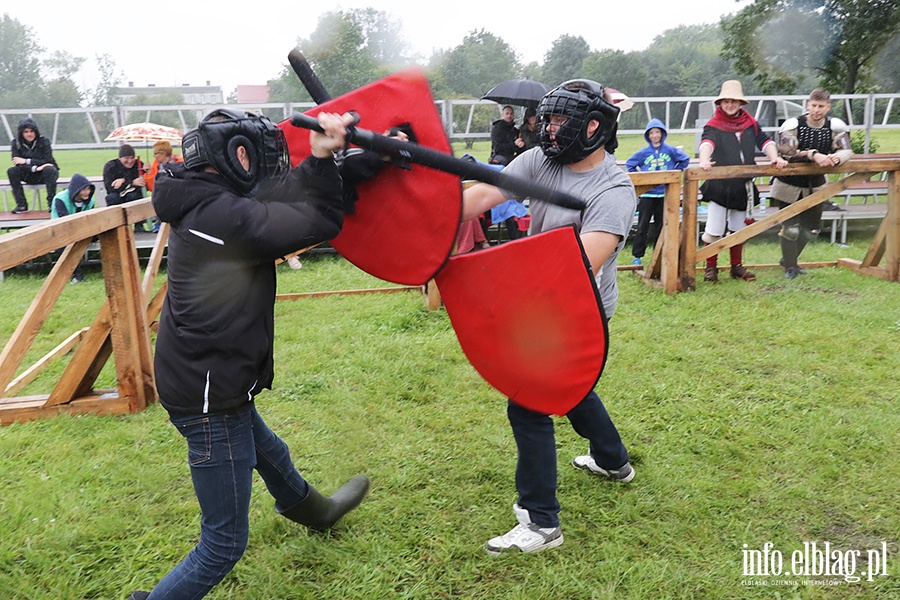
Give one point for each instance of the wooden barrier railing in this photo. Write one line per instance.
(120, 328)
(681, 248)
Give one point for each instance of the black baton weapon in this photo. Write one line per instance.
(411, 152)
(308, 77)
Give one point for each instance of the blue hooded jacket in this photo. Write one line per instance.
(664, 158)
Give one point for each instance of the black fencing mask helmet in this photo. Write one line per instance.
(216, 139)
(580, 101)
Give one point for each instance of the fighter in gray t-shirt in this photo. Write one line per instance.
(610, 198)
(578, 124)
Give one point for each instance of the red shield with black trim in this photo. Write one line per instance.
(528, 317)
(406, 221)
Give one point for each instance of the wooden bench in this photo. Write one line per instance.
(36, 191)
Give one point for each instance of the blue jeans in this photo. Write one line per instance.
(536, 442)
(223, 450)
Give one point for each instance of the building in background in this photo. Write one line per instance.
(192, 94)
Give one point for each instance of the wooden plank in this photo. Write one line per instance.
(782, 215)
(876, 250)
(892, 237)
(857, 266)
(29, 243)
(687, 251)
(384, 290)
(38, 408)
(79, 375)
(30, 374)
(866, 165)
(130, 335)
(30, 325)
(669, 267)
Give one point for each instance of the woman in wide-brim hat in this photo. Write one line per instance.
(731, 138)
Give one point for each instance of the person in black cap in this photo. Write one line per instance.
(122, 177)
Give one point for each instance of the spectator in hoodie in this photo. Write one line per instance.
(78, 197)
(657, 156)
(33, 163)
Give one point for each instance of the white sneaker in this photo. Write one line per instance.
(525, 537)
(623, 474)
(294, 263)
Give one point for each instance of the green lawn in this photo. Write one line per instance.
(754, 412)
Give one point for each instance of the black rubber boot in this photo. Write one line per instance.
(138, 596)
(320, 513)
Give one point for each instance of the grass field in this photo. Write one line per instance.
(754, 413)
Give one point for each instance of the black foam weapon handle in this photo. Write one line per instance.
(308, 77)
(411, 152)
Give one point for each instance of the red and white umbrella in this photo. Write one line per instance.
(145, 132)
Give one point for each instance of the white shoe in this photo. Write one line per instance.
(623, 474)
(525, 537)
(294, 263)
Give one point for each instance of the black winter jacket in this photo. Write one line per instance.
(215, 340)
(38, 152)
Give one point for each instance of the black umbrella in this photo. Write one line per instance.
(520, 92)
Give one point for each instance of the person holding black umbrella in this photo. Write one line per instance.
(503, 137)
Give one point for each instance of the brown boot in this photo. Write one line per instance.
(712, 274)
(739, 272)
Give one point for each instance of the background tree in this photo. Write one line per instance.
(686, 61)
(564, 59)
(478, 64)
(347, 50)
(780, 44)
(624, 71)
(20, 69)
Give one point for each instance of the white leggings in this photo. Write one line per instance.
(718, 217)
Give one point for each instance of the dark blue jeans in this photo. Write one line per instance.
(536, 442)
(223, 450)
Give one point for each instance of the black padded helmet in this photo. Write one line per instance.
(580, 101)
(215, 141)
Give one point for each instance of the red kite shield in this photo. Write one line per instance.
(406, 221)
(528, 317)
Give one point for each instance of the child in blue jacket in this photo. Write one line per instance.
(657, 156)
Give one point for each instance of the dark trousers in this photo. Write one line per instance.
(223, 451)
(648, 208)
(809, 222)
(114, 197)
(22, 174)
(536, 443)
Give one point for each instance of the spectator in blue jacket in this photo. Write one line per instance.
(657, 156)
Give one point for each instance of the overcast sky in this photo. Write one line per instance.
(229, 44)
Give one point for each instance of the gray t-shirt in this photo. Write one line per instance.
(611, 202)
